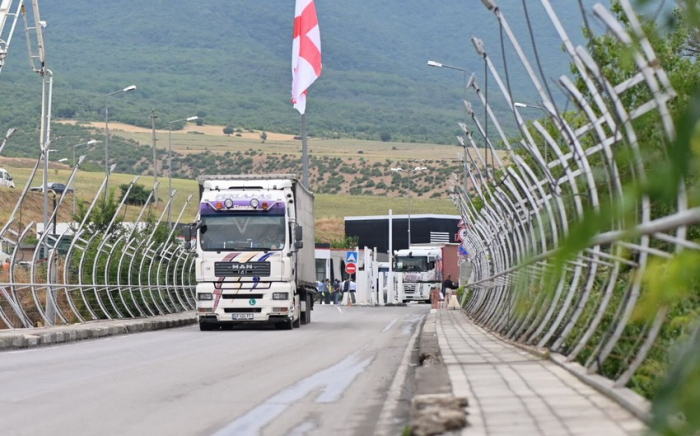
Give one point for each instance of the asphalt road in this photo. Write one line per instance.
(344, 374)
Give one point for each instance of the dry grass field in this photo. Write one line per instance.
(330, 208)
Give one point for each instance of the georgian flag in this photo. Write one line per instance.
(306, 52)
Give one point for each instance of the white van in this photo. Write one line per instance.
(6, 179)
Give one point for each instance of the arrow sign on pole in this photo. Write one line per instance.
(351, 257)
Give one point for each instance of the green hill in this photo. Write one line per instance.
(230, 63)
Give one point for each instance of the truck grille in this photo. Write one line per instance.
(242, 310)
(238, 269)
(409, 288)
(241, 296)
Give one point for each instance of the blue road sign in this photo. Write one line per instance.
(351, 257)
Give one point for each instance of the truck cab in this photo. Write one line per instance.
(420, 269)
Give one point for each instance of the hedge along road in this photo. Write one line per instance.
(334, 376)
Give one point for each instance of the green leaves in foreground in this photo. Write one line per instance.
(667, 282)
(669, 285)
(677, 403)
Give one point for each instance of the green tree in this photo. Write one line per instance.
(228, 130)
(137, 196)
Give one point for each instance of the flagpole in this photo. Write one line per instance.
(304, 152)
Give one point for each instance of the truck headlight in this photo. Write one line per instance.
(280, 295)
(205, 296)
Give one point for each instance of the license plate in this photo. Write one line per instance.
(242, 316)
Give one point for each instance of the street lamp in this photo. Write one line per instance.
(466, 87)
(11, 131)
(546, 112)
(127, 89)
(413, 170)
(90, 142)
(170, 163)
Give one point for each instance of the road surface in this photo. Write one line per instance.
(343, 374)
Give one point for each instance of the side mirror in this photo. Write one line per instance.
(299, 245)
(298, 233)
(431, 265)
(187, 233)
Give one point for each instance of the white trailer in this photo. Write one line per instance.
(255, 251)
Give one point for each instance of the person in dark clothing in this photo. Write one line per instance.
(336, 290)
(447, 286)
(327, 291)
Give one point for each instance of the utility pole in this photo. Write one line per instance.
(155, 155)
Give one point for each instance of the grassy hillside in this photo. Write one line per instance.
(229, 63)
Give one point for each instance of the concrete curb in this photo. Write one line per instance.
(45, 336)
(431, 375)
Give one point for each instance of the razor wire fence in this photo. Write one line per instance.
(584, 238)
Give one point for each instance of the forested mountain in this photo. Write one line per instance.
(229, 61)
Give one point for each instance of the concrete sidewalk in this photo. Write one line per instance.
(511, 391)
(42, 336)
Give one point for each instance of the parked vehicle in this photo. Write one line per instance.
(255, 251)
(58, 188)
(424, 267)
(6, 179)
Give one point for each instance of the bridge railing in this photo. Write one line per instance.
(573, 231)
(93, 270)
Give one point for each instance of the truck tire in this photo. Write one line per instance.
(206, 326)
(306, 315)
(297, 322)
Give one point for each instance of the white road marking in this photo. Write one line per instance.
(331, 381)
(390, 325)
(385, 421)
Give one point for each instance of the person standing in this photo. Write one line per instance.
(323, 289)
(336, 290)
(447, 286)
(352, 287)
(328, 289)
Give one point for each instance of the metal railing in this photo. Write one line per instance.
(123, 270)
(562, 242)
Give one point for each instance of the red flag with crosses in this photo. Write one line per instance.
(306, 52)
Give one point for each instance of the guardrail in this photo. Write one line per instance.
(570, 234)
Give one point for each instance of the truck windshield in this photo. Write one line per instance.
(242, 232)
(411, 264)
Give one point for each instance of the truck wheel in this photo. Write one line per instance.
(297, 322)
(206, 326)
(306, 315)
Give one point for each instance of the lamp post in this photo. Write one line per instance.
(11, 131)
(414, 170)
(546, 112)
(170, 163)
(90, 142)
(127, 89)
(466, 114)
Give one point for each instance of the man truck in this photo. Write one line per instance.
(425, 267)
(254, 244)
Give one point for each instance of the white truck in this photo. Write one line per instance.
(255, 251)
(424, 267)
